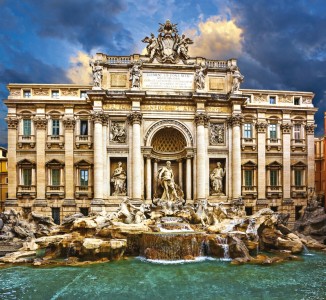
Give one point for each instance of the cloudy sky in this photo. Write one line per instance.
(280, 44)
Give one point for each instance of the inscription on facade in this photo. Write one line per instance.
(118, 80)
(216, 83)
(176, 81)
(167, 107)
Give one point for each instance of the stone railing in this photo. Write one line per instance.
(84, 140)
(273, 191)
(55, 139)
(82, 191)
(217, 63)
(26, 139)
(28, 190)
(118, 60)
(298, 191)
(55, 190)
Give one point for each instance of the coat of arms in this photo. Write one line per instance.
(168, 47)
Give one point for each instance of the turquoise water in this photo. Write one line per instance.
(136, 279)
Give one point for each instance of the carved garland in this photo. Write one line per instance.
(69, 123)
(310, 128)
(12, 123)
(261, 127)
(286, 128)
(40, 123)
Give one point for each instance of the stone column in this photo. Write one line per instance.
(40, 124)
(155, 170)
(235, 122)
(69, 124)
(200, 120)
(188, 178)
(135, 119)
(12, 162)
(310, 128)
(180, 177)
(97, 117)
(261, 149)
(105, 162)
(148, 178)
(286, 129)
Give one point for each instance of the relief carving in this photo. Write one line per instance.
(118, 132)
(15, 92)
(69, 92)
(217, 134)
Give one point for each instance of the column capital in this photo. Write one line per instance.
(40, 123)
(261, 127)
(286, 128)
(201, 119)
(235, 120)
(310, 128)
(12, 123)
(105, 119)
(135, 118)
(98, 117)
(69, 123)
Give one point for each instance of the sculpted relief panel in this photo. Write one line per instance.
(217, 136)
(118, 132)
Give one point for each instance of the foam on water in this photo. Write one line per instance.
(181, 261)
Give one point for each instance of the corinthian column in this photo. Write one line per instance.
(261, 147)
(105, 161)
(12, 161)
(286, 129)
(235, 122)
(201, 120)
(40, 125)
(310, 129)
(98, 157)
(136, 163)
(69, 124)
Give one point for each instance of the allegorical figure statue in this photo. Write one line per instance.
(216, 178)
(152, 47)
(97, 74)
(166, 178)
(237, 79)
(200, 77)
(119, 180)
(135, 75)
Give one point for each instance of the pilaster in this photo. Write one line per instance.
(310, 129)
(261, 161)
(286, 131)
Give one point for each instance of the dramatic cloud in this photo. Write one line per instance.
(216, 38)
(80, 71)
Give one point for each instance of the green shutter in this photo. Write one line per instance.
(55, 177)
(27, 127)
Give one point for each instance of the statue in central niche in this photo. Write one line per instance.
(166, 178)
(216, 178)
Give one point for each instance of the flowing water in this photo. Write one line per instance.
(139, 279)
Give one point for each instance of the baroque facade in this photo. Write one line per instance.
(76, 148)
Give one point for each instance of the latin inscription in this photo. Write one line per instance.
(175, 81)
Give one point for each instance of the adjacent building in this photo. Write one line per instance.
(3, 177)
(76, 148)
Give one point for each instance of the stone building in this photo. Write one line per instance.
(78, 148)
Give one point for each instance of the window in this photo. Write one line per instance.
(272, 131)
(55, 94)
(272, 100)
(83, 94)
(6, 180)
(55, 177)
(83, 177)
(297, 131)
(27, 177)
(27, 93)
(56, 215)
(83, 127)
(248, 178)
(298, 177)
(247, 130)
(55, 127)
(27, 127)
(248, 210)
(296, 100)
(84, 211)
(273, 177)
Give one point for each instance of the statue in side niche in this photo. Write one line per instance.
(135, 75)
(97, 74)
(119, 180)
(237, 79)
(200, 77)
(216, 178)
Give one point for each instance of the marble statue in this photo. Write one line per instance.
(182, 46)
(119, 180)
(97, 74)
(216, 178)
(130, 214)
(237, 79)
(118, 133)
(135, 75)
(166, 179)
(200, 77)
(152, 47)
